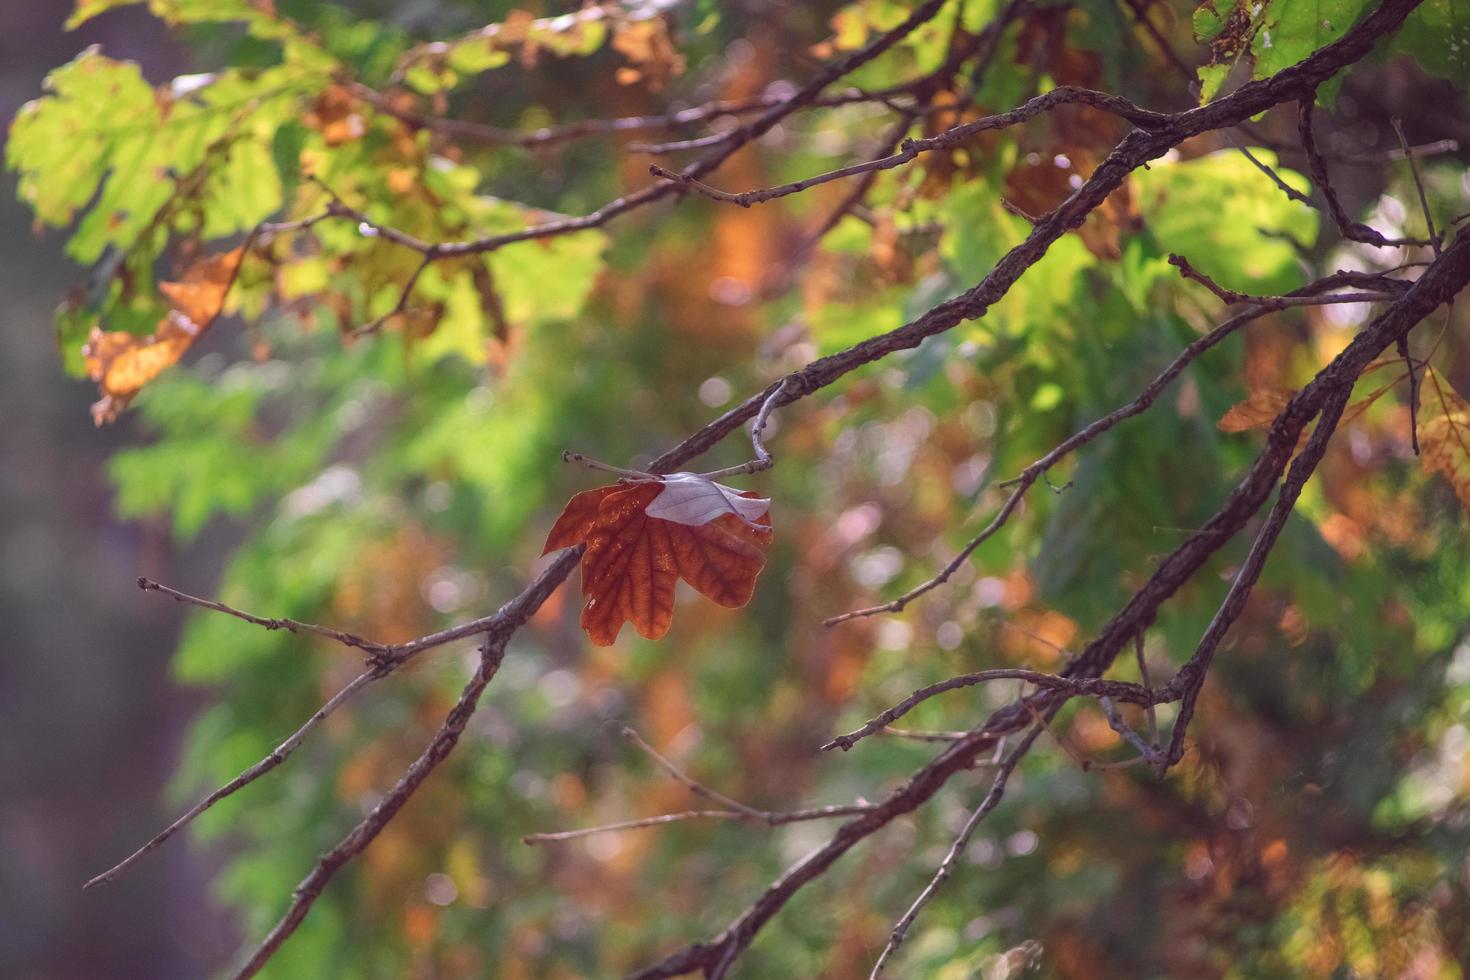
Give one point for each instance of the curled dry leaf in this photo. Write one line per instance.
(122, 363)
(1444, 435)
(642, 536)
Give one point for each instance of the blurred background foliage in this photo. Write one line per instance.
(396, 481)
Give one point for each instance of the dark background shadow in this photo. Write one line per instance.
(91, 725)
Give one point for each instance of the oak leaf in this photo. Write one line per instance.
(122, 363)
(1444, 435)
(642, 536)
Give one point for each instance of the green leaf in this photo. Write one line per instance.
(1293, 29)
(1222, 207)
(257, 14)
(1437, 36)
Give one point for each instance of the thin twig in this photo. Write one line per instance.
(291, 625)
(1349, 229)
(738, 137)
(1191, 677)
(951, 860)
(277, 756)
(1027, 477)
(548, 136)
(1149, 710)
(918, 736)
(789, 389)
(911, 148)
(1140, 9)
(611, 828)
(403, 296)
(1434, 242)
(582, 459)
(1123, 691)
(695, 787)
(1439, 282)
(1265, 168)
(735, 810)
(510, 618)
(1438, 285)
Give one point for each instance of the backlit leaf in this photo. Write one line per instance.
(1258, 411)
(122, 363)
(1444, 434)
(634, 559)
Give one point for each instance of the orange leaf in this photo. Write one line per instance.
(336, 116)
(1258, 411)
(122, 363)
(1444, 435)
(201, 293)
(634, 561)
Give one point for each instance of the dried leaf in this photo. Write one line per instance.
(337, 116)
(653, 54)
(1258, 411)
(201, 293)
(1444, 435)
(122, 363)
(642, 536)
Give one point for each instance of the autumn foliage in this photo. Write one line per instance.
(122, 363)
(1036, 299)
(633, 561)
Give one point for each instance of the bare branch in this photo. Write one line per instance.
(918, 736)
(291, 625)
(639, 824)
(1191, 677)
(1439, 284)
(1349, 229)
(1150, 713)
(1307, 295)
(511, 617)
(695, 787)
(1121, 690)
(382, 661)
(739, 137)
(951, 860)
(911, 148)
(1398, 128)
(736, 810)
(403, 296)
(582, 459)
(277, 756)
(1291, 192)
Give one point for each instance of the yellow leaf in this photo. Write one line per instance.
(1258, 411)
(1444, 435)
(122, 363)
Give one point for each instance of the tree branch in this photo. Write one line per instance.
(1022, 483)
(951, 860)
(736, 810)
(1123, 691)
(1436, 285)
(1439, 284)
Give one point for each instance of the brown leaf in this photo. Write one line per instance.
(1258, 411)
(633, 561)
(1444, 435)
(653, 54)
(336, 115)
(122, 363)
(201, 293)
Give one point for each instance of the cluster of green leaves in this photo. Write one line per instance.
(397, 481)
(1274, 35)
